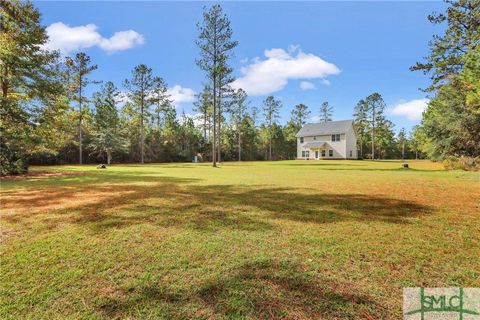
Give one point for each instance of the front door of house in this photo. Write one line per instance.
(316, 154)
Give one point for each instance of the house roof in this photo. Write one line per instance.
(316, 144)
(330, 127)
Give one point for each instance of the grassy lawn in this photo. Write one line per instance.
(260, 240)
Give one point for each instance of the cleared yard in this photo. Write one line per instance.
(292, 239)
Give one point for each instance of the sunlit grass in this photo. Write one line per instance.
(293, 239)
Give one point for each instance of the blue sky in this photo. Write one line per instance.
(299, 52)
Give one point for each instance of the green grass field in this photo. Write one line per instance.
(252, 240)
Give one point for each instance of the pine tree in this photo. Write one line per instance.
(238, 110)
(448, 51)
(361, 124)
(216, 47)
(139, 89)
(374, 108)
(451, 122)
(325, 112)
(271, 112)
(107, 138)
(79, 68)
(300, 114)
(27, 72)
(203, 105)
(402, 139)
(160, 98)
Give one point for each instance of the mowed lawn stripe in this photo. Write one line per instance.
(289, 239)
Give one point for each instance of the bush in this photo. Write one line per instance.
(462, 163)
(12, 161)
(13, 167)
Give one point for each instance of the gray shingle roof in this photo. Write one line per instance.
(330, 127)
(316, 144)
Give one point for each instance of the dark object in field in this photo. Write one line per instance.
(101, 166)
(405, 165)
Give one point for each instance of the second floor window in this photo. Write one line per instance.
(301, 139)
(335, 137)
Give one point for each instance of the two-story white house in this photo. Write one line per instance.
(327, 140)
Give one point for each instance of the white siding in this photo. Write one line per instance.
(351, 144)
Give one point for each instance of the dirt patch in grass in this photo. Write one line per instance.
(7, 234)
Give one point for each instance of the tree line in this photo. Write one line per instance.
(450, 127)
(47, 117)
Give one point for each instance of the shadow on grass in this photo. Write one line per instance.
(261, 289)
(102, 202)
(258, 289)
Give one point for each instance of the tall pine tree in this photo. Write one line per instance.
(27, 73)
(271, 112)
(300, 114)
(325, 112)
(107, 137)
(79, 68)
(140, 87)
(216, 47)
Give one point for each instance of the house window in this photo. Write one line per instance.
(301, 139)
(351, 154)
(314, 137)
(323, 153)
(335, 137)
(307, 154)
(303, 154)
(330, 153)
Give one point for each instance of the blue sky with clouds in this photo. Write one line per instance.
(300, 52)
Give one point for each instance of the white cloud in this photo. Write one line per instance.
(266, 76)
(305, 85)
(412, 110)
(67, 39)
(122, 40)
(179, 94)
